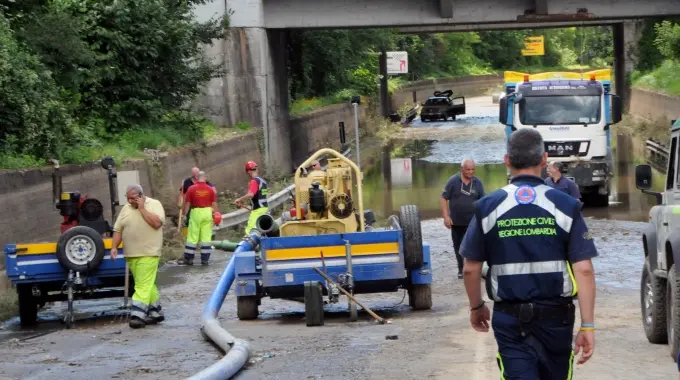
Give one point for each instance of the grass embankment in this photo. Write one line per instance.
(665, 79)
(302, 106)
(130, 145)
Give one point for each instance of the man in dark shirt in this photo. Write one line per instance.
(458, 199)
(557, 181)
(539, 252)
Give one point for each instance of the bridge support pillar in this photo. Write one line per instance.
(254, 88)
(626, 38)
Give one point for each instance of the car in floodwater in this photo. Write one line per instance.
(442, 106)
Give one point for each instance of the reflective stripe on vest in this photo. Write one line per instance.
(569, 290)
(541, 267)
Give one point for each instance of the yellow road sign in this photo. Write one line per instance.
(533, 46)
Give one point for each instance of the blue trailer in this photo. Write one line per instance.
(78, 265)
(323, 230)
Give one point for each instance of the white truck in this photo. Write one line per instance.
(574, 116)
(660, 283)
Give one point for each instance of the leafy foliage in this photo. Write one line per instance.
(658, 57)
(74, 71)
(325, 63)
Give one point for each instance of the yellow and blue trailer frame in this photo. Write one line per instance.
(34, 269)
(287, 262)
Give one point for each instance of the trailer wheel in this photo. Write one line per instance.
(247, 307)
(673, 308)
(409, 219)
(80, 249)
(313, 303)
(420, 297)
(653, 305)
(28, 305)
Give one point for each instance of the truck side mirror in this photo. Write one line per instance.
(503, 110)
(616, 109)
(643, 177)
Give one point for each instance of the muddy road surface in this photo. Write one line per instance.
(434, 344)
(437, 344)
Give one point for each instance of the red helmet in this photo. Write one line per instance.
(251, 165)
(217, 218)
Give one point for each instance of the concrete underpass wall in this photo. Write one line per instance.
(466, 86)
(320, 129)
(26, 195)
(655, 107)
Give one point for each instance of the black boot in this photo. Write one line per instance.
(136, 323)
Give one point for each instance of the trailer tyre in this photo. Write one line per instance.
(247, 307)
(80, 249)
(28, 306)
(420, 297)
(673, 308)
(313, 304)
(409, 219)
(653, 305)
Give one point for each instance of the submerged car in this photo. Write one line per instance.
(442, 107)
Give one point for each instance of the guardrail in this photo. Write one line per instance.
(657, 155)
(275, 201)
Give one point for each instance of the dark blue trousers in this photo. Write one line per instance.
(543, 353)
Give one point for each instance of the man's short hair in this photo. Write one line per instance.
(525, 148)
(557, 165)
(137, 188)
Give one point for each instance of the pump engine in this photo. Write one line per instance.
(79, 210)
(325, 201)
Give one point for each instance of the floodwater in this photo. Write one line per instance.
(410, 171)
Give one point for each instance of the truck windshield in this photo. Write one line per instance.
(553, 110)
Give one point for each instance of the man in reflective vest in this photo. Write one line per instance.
(539, 253)
(257, 193)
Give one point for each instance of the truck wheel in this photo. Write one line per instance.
(420, 297)
(409, 219)
(28, 305)
(672, 310)
(653, 304)
(313, 303)
(80, 249)
(246, 307)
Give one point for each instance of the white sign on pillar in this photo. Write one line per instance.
(402, 175)
(397, 62)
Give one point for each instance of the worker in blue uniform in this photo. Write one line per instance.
(538, 249)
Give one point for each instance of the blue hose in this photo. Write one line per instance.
(238, 350)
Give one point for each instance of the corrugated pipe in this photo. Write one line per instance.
(237, 350)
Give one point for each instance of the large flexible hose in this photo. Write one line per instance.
(238, 350)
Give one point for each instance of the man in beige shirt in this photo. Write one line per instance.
(139, 226)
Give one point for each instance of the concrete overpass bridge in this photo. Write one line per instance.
(254, 48)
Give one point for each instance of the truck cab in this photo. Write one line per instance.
(574, 115)
(660, 283)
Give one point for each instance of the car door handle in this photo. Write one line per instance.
(665, 223)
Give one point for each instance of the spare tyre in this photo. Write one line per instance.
(80, 249)
(409, 219)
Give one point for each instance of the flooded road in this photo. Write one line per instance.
(415, 171)
(433, 344)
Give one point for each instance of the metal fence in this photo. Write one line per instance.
(657, 155)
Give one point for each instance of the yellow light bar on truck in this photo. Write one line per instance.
(600, 75)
